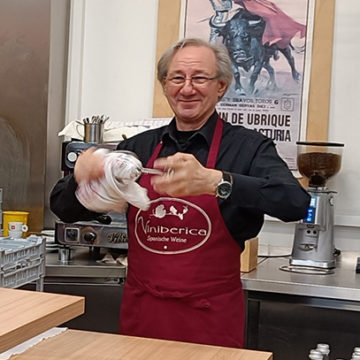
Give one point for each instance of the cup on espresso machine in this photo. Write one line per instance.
(93, 129)
(93, 133)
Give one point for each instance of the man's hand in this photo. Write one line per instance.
(184, 176)
(89, 166)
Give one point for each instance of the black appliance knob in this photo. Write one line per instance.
(89, 237)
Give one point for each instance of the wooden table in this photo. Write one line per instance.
(85, 345)
(25, 314)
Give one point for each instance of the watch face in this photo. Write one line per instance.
(224, 190)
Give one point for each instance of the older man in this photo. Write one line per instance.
(183, 279)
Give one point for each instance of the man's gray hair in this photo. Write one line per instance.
(223, 62)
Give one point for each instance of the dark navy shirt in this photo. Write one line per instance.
(262, 182)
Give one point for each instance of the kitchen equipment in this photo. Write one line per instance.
(92, 234)
(72, 149)
(92, 131)
(108, 231)
(314, 238)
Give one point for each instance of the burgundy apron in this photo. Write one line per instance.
(183, 280)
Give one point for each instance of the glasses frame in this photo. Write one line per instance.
(181, 80)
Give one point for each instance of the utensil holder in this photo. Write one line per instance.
(94, 132)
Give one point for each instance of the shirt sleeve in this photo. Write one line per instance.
(270, 187)
(65, 205)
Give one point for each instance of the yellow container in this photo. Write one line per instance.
(9, 216)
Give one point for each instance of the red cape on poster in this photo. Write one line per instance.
(280, 28)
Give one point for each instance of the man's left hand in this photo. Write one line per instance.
(184, 176)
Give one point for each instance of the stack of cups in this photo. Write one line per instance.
(315, 355)
(324, 349)
(356, 354)
(15, 224)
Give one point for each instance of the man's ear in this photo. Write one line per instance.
(222, 88)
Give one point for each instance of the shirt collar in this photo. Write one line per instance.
(206, 131)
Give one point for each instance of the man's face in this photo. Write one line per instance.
(193, 101)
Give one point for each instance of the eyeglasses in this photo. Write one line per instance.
(196, 80)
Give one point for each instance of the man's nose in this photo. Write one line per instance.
(188, 85)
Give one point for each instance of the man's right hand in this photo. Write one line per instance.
(89, 166)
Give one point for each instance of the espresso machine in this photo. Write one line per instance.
(313, 245)
(108, 231)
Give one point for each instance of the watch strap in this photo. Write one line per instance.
(227, 177)
(223, 189)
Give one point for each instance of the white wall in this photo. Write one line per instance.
(112, 59)
(112, 62)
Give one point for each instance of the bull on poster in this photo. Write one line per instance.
(267, 42)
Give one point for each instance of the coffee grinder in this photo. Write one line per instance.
(314, 236)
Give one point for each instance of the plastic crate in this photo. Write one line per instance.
(23, 274)
(15, 250)
(22, 261)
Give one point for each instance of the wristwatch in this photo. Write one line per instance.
(224, 187)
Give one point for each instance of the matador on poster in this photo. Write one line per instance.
(267, 42)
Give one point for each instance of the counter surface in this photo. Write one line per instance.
(80, 265)
(78, 345)
(25, 314)
(343, 284)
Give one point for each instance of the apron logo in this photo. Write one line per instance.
(160, 212)
(172, 226)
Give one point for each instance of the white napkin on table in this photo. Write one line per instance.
(19, 349)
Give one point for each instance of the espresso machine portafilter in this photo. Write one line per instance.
(314, 236)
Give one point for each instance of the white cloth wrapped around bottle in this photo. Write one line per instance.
(117, 188)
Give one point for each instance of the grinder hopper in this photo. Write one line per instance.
(314, 239)
(319, 161)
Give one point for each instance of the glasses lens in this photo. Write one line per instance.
(195, 80)
(199, 80)
(178, 80)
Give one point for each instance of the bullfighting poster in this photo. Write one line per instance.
(269, 44)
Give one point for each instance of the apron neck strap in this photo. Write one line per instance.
(215, 144)
(213, 152)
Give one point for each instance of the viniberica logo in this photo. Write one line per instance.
(172, 226)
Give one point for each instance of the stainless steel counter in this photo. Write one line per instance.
(81, 265)
(344, 284)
